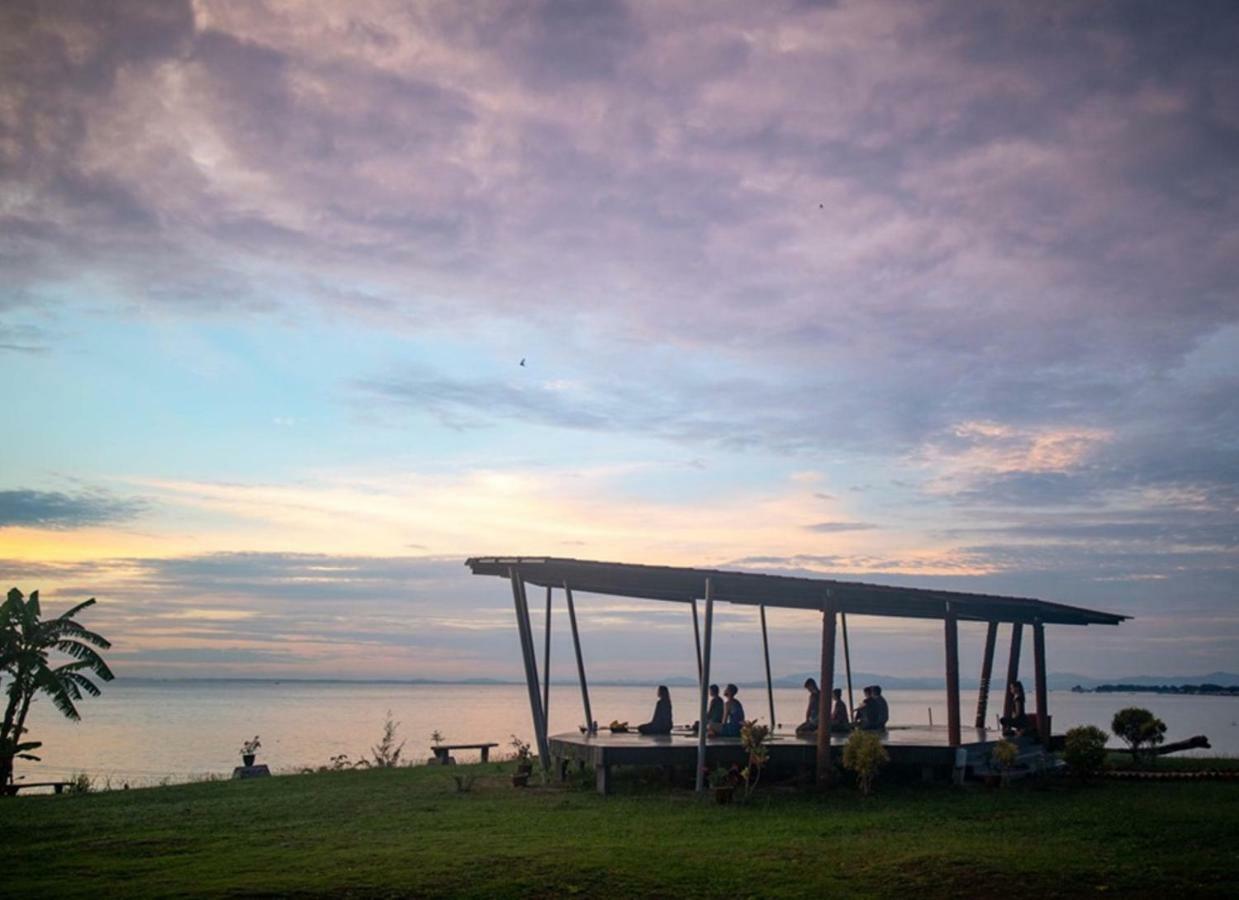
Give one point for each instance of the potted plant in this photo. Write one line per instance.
(723, 784)
(248, 750)
(524, 762)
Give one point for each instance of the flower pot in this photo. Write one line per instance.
(723, 794)
(248, 759)
(520, 779)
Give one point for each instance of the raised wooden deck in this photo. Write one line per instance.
(912, 745)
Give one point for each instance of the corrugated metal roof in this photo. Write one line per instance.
(682, 584)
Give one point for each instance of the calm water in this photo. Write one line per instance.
(144, 732)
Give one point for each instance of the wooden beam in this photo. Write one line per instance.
(531, 665)
(951, 630)
(546, 667)
(765, 646)
(847, 662)
(1043, 694)
(987, 669)
(705, 680)
(825, 695)
(1013, 668)
(697, 638)
(580, 659)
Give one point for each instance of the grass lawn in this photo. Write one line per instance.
(407, 831)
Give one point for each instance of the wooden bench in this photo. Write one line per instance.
(443, 752)
(57, 786)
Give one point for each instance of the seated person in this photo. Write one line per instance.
(733, 715)
(883, 712)
(1017, 721)
(839, 712)
(661, 723)
(866, 715)
(812, 711)
(714, 712)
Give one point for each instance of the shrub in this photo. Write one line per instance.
(80, 783)
(753, 739)
(863, 756)
(1139, 729)
(387, 752)
(1004, 754)
(1084, 750)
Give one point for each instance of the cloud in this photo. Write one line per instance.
(835, 527)
(56, 510)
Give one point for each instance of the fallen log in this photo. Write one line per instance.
(1199, 742)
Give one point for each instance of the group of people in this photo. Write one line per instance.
(871, 715)
(724, 715)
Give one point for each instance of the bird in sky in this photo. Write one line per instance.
(522, 360)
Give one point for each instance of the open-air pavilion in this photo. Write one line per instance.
(949, 746)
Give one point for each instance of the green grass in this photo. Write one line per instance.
(408, 832)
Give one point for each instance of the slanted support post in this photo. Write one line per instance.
(952, 676)
(847, 666)
(697, 638)
(546, 667)
(987, 669)
(705, 680)
(826, 692)
(531, 665)
(765, 646)
(1013, 667)
(1043, 694)
(580, 660)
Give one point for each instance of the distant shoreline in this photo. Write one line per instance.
(1191, 690)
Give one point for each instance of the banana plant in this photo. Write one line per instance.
(27, 644)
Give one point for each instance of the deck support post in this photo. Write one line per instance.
(952, 676)
(1043, 699)
(697, 638)
(987, 670)
(826, 691)
(705, 679)
(580, 660)
(1013, 667)
(546, 667)
(765, 646)
(847, 665)
(531, 665)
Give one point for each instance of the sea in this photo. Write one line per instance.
(146, 732)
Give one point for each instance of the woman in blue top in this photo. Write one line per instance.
(733, 714)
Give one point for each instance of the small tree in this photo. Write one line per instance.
(1004, 756)
(753, 740)
(1084, 750)
(387, 752)
(1139, 729)
(863, 756)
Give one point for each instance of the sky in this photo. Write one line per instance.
(934, 294)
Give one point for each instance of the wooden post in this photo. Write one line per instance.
(987, 669)
(580, 660)
(705, 680)
(531, 665)
(825, 695)
(765, 646)
(1013, 666)
(847, 664)
(697, 638)
(1043, 694)
(546, 667)
(952, 676)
